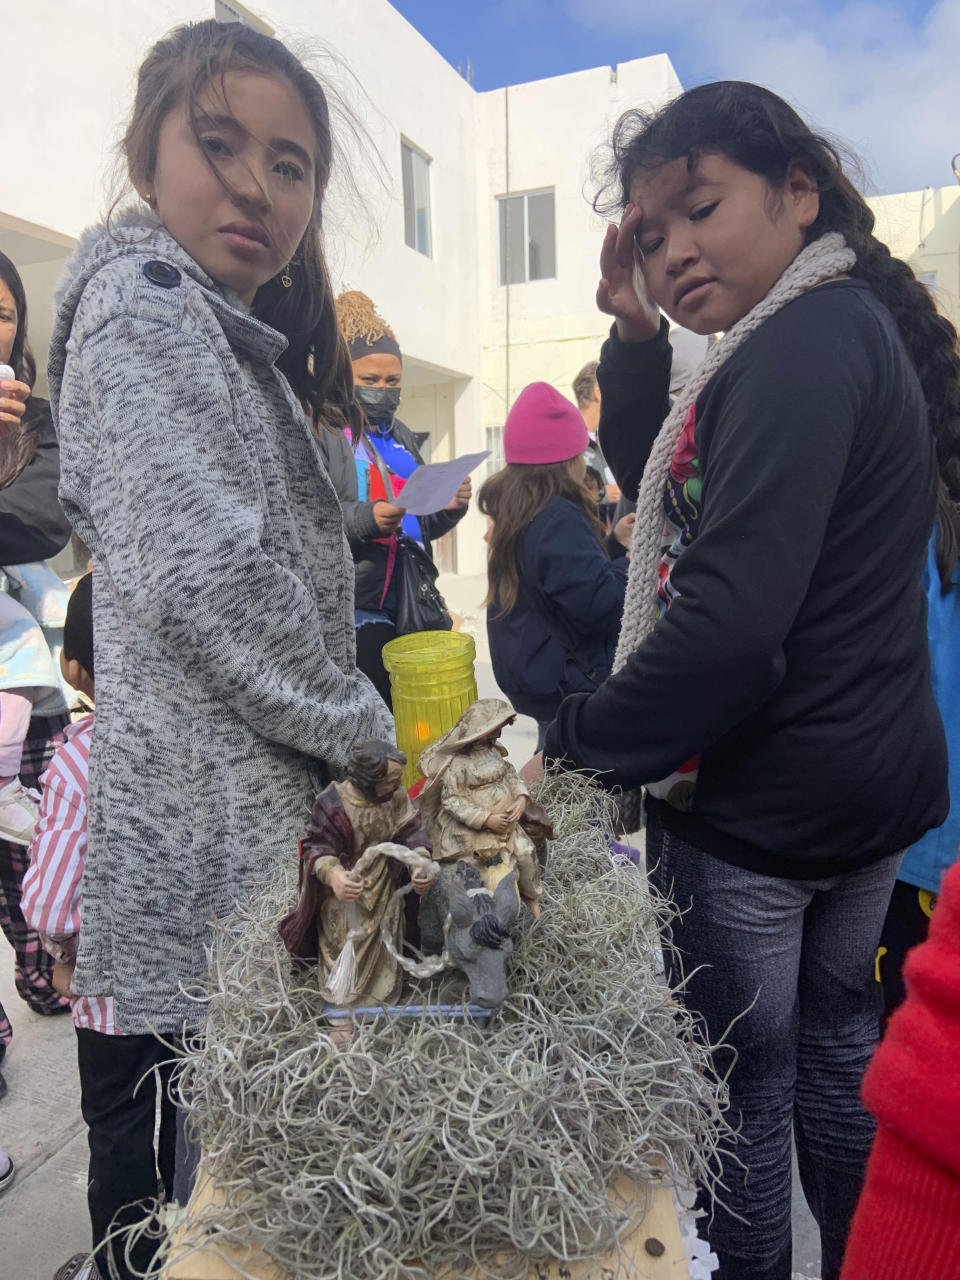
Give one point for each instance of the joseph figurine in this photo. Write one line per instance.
(370, 807)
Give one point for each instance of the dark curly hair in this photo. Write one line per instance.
(368, 762)
(755, 129)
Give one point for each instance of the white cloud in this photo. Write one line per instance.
(864, 72)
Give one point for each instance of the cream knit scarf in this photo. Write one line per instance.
(825, 258)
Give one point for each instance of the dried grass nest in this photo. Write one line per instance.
(425, 1149)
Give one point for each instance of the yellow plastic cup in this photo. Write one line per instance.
(432, 682)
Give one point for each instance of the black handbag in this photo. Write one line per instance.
(420, 606)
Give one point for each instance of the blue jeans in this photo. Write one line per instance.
(793, 962)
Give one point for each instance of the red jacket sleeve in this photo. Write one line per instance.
(908, 1218)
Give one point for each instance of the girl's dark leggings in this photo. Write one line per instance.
(118, 1098)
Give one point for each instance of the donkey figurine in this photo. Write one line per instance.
(478, 940)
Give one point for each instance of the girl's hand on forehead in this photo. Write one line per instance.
(621, 292)
(13, 402)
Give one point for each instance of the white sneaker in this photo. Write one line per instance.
(19, 810)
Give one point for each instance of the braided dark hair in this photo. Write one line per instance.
(755, 129)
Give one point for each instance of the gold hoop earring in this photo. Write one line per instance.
(286, 279)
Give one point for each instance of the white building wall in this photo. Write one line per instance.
(447, 310)
(74, 102)
(463, 366)
(78, 96)
(923, 228)
(555, 128)
(77, 99)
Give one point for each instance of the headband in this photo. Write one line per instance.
(360, 347)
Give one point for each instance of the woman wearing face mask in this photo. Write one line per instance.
(369, 474)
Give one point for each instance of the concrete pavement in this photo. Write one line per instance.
(43, 1217)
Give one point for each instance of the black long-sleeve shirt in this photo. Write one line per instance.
(32, 523)
(793, 658)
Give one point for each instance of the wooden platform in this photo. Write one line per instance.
(639, 1257)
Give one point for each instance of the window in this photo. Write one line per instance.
(231, 11)
(494, 443)
(416, 199)
(527, 237)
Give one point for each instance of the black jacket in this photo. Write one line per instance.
(369, 555)
(32, 523)
(560, 557)
(794, 657)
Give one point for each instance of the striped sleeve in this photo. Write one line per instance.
(51, 886)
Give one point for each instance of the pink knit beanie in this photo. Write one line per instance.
(543, 426)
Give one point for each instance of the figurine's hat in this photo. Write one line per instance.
(480, 718)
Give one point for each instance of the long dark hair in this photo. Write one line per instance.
(758, 131)
(19, 445)
(511, 498)
(177, 70)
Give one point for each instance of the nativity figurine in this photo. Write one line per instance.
(350, 917)
(476, 806)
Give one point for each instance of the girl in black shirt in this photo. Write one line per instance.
(772, 689)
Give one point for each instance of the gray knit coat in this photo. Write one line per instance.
(223, 609)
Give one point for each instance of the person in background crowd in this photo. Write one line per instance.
(32, 525)
(594, 482)
(924, 864)
(369, 468)
(772, 685)
(554, 594)
(32, 709)
(587, 394)
(907, 1222)
(194, 352)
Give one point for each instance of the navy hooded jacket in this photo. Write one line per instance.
(564, 564)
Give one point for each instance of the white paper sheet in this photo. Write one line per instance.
(433, 485)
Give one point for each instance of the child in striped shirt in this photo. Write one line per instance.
(120, 1117)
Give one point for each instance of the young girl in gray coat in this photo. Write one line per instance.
(195, 350)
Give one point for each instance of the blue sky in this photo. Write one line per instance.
(881, 74)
